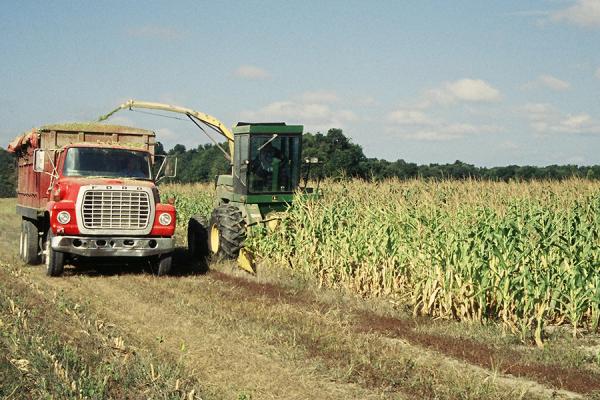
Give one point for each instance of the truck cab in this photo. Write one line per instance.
(89, 190)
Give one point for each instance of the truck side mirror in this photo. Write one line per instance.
(168, 168)
(39, 157)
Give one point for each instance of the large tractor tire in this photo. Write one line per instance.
(227, 231)
(197, 236)
(29, 247)
(55, 260)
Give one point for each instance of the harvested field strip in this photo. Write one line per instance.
(221, 345)
(54, 348)
(284, 350)
(503, 360)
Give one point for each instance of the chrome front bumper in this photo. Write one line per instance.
(112, 247)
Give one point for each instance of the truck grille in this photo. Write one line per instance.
(115, 209)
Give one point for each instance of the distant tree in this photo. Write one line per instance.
(340, 156)
(7, 174)
(178, 149)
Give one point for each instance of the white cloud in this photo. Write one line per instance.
(320, 96)
(545, 119)
(548, 81)
(462, 90)
(443, 131)
(314, 116)
(155, 32)
(417, 125)
(166, 134)
(251, 72)
(577, 121)
(537, 109)
(473, 90)
(368, 101)
(415, 121)
(584, 13)
(409, 117)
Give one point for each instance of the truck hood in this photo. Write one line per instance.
(84, 181)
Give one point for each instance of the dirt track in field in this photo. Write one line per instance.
(508, 361)
(247, 337)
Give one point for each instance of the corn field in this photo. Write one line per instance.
(523, 254)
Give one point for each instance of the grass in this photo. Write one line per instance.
(53, 348)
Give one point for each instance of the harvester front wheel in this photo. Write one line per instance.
(227, 231)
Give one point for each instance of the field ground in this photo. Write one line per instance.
(120, 332)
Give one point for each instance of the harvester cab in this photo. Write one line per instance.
(266, 172)
(266, 167)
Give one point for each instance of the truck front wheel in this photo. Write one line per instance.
(163, 265)
(55, 260)
(30, 239)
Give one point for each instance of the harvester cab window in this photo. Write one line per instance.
(107, 162)
(241, 154)
(273, 164)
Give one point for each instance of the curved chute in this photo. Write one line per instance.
(194, 115)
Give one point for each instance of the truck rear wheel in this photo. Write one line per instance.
(227, 231)
(55, 260)
(22, 241)
(30, 239)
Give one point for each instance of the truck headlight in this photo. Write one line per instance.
(165, 219)
(63, 217)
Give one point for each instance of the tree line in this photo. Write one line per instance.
(341, 158)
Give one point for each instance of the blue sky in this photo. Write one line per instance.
(485, 82)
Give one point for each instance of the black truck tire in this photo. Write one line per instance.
(30, 238)
(55, 260)
(22, 241)
(163, 264)
(227, 231)
(197, 236)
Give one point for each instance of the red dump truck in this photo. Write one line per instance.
(88, 190)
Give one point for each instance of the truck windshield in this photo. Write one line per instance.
(105, 162)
